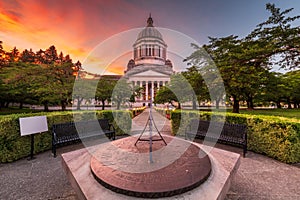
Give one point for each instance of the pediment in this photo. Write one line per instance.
(149, 73)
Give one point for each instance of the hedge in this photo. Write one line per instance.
(163, 111)
(276, 137)
(137, 111)
(14, 147)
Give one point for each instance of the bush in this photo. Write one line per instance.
(275, 137)
(164, 112)
(137, 111)
(13, 146)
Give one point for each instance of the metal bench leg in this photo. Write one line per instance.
(54, 151)
(244, 151)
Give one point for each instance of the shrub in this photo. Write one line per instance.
(275, 137)
(164, 112)
(137, 111)
(13, 146)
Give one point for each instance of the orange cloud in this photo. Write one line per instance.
(75, 27)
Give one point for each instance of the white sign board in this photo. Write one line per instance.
(31, 125)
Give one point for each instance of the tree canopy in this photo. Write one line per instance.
(245, 64)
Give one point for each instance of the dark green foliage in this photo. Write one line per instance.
(137, 111)
(13, 146)
(276, 137)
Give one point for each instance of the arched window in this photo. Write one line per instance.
(153, 51)
(140, 49)
(159, 51)
(146, 50)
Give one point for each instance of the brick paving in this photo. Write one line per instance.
(258, 177)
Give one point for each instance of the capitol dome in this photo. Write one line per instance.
(150, 32)
(149, 69)
(149, 47)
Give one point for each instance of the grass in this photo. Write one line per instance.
(15, 110)
(288, 113)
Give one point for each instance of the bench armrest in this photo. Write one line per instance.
(111, 127)
(54, 135)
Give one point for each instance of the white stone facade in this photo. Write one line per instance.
(149, 67)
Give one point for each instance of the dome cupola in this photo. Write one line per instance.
(149, 47)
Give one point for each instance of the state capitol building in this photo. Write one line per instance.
(149, 68)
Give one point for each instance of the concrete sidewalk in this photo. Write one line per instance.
(258, 177)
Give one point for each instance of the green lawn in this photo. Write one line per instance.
(289, 113)
(15, 110)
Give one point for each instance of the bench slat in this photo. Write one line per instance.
(230, 133)
(75, 131)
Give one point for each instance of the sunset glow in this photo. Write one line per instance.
(76, 27)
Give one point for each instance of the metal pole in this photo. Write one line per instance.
(31, 147)
(150, 128)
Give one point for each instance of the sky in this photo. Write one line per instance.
(77, 27)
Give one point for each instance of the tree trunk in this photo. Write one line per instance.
(103, 104)
(194, 103)
(6, 104)
(63, 105)
(217, 104)
(46, 106)
(2, 104)
(295, 104)
(236, 105)
(250, 104)
(289, 103)
(278, 104)
(118, 105)
(21, 105)
(179, 105)
(78, 103)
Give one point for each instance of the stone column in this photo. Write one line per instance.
(146, 90)
(141, 95)
(152, 90)
(164, 83)
(158, 85)
(134, 84)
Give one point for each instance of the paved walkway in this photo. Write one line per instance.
(258, 177)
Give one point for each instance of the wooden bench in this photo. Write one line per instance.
(76, 131)
(230, 133)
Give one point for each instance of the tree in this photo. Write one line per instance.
(122, 92)
(50, 55)
(274, 89)
(278, 32)
(27, 56)
(83, 89)
(225, 54)
(18, 78)
(174, 92)
(292, 83)
(2, 56)
(165, 95)
(14, 55)
(104, 90)
(196, 81)
(295, 86)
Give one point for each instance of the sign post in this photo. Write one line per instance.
(31, 126)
